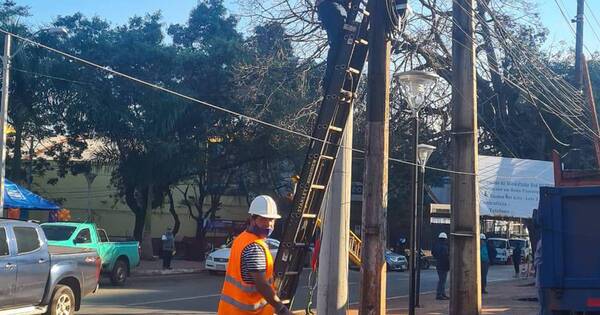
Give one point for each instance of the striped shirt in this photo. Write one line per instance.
(254, 259)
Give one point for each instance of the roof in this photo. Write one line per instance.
(42, 147)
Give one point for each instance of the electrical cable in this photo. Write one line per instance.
(207, 104)
(572, 124)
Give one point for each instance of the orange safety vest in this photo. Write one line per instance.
(239, 297)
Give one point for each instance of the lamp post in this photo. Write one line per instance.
(6, 61)
(424, 151)
(416, 87)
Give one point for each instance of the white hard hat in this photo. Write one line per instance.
(265, 207)
(482, 236)
(443, 235)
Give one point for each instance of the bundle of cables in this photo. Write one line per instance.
(397, 11)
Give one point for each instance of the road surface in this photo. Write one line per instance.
(199, 293)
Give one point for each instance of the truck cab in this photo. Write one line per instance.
(118, 258)
(36, 277)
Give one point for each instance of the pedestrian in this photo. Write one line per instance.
(441, 252)
(248, 287)
(484, 256)
(516, 258)
(168, 248)
(332, 14)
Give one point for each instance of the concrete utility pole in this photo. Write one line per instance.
(375, 187)
(332, 284)
(4, 115)
(579, 45)
(465, 277)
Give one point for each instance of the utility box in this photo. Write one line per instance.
(570, 270)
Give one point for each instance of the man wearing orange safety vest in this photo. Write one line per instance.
(248, 286)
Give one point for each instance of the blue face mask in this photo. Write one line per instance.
(264, 232)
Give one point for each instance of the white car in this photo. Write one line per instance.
(218, 259)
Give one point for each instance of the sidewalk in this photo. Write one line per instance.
(504, 298)
(154, 267)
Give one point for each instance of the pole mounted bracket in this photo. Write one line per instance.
(463, 234)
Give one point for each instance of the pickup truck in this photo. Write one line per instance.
(36, 278)
(118, 258)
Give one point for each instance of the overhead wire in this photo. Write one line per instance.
(525, 90)
(518, 86)
(572, 124)
(575, 125)
(207, 104)
(593, 15)
(569, 23)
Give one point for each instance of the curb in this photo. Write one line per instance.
(160, 272)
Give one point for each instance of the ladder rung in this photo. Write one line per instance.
(291, 273)
(347, 94)
(353, 71)
(334, 128)
(318, 187)
(361, 42)
(327, 157)
(286, 302)
(309, 216)
(300, 244)
(365, 12)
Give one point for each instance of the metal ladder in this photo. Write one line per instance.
(316, 172)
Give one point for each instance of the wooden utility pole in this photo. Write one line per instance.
(579, 45)
(332, 284)
(465, 278)
(375, 188)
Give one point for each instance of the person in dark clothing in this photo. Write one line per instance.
(441, 252)
(168, 248)
(485, 262)
(516, 258)
(332, 14)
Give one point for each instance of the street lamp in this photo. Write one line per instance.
(424, 151)
(6, 60)
(416, 86)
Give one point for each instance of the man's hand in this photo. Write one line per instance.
(267, 292)
(283, 311)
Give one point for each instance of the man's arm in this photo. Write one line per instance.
(268, 293)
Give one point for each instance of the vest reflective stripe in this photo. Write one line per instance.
(242, 306)
(244, 287)
(238, 296)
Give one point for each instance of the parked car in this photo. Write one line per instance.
(425, 260)
(524, 244)
(36, 278)
(503, 250)
(395, 261)
(118, 258)
(218, 259)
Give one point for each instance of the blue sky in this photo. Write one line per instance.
(176, 11)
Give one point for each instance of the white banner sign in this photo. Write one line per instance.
(511, 187)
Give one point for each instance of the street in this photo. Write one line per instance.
(199, 293)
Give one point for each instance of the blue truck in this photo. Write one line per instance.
(569, 277)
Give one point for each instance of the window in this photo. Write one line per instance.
(102, 235)
(83, 237)
(3, 242)
(58, 233)
(27, 239)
